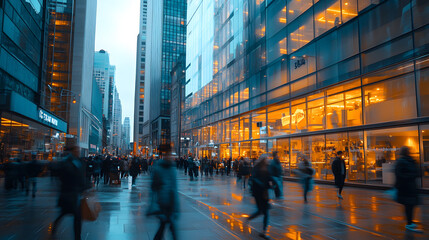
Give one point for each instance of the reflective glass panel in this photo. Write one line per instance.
(424, 132)
(279, 122)
(299, 118)
(259, 125)
(296, 7)
(390, 100)
(327, 15)
(381, 152)
(284, 155)
(423, 83)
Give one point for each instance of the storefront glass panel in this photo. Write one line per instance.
(20, 138)
(235, 150)
(381, 151)
(313, 147)
(224, 151)
(390, 100)
(334, 142)
(245, 127)
(279, 122)
(283, 150)
(355, 157)
(424, 133)
(226, 132)
(245, 149)
(297, 154)
(316, 114)
(353, 108)
(235, 130)
(258, 148)
(423, 83)
(299, 116)
(335, 111)
(259, 124)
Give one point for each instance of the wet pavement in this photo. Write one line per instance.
(214, 208)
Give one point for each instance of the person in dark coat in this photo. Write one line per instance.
(165, 196)
(33, 169)
(276, 172)
(406, 173)
(244, 170)
(134, 170)
(260, 182)
(191, 167)
(339, 171)
(71, 172)
(106, 169)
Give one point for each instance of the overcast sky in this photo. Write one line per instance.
(117, 30)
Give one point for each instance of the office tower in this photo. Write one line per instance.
(140, 76)
(167, 28)
(117, 122)
(308, 79)
(126, 127)
(178, 82)
(104, 75)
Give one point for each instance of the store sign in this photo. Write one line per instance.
(47, 117)
(299, 63)
(297, 117)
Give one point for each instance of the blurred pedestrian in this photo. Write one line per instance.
(276, 172)
(244, 171)
(134, 170)
(34, 168)
(164, 195)
(260, 182)
(71, 174)
(406, 173)
(305, 173)
(191, 167)
(339, 171)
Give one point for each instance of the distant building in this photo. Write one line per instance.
(167, 25)
(117, 122)
(141, 82)
(126, 134)
(178, 81)
(104, 75)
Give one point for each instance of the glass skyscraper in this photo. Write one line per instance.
(308, 78)
(167, 27)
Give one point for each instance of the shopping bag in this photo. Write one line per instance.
(90, 207)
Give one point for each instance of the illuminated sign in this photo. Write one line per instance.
(297, 117)
(47, 117)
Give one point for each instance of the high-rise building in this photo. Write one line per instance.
(140, 77)
(117, 122)
(178, 81)
(126, 127)
(308, 79)
(167, 27)
(104, 75)
(27, 124)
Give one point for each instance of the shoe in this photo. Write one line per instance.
(339, 196)
(413, 227)
(264, 236)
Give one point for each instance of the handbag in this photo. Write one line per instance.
(90, 207)
(153, 208)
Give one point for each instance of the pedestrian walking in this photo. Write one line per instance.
(33, 169)
(165, 201)
(191, 167)
(339, 171)
(305, 173)
(276, 172)
(260, 182)
(134, 170)
(406, 173)
(244, 170)
(71, 174)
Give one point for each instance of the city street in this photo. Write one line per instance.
(214, 208)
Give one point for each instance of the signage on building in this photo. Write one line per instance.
(297, 117)
(47, 117)
(299, 63)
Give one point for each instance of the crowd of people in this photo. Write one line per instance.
(261, 174)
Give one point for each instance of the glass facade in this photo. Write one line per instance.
(309, 78)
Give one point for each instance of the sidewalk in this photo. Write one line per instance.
(214, 208)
